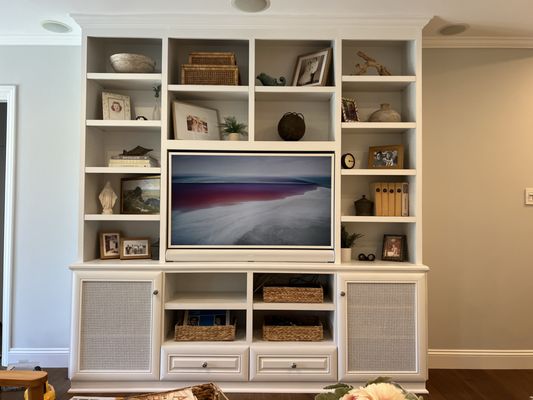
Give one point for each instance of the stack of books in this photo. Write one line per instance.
(145, 161)
(391, 199)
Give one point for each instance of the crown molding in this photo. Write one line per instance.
(480, 42)
(171, 21)
(40, 40)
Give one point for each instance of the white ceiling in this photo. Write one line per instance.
(487, 18)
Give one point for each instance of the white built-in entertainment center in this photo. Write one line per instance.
(374, 312)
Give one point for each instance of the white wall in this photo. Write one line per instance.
(47, 154)
(478, 158)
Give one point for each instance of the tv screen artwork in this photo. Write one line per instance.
(251, 200)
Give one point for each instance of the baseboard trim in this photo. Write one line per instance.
(480, 359)
(44, 357)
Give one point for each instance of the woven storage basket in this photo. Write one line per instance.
(209, 74)
(206, 391)
(204, 333)
(212, 58)
(289, 294)
(307, 330)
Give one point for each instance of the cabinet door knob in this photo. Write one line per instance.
(155, 292)
(343, 293)
(293, 365)
(204, 365)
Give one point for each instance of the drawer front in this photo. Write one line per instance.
(195, 363)
(294, 367)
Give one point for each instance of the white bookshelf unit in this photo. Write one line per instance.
(373, 313)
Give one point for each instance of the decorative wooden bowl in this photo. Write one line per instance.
(132, 63)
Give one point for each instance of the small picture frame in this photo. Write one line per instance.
(116, 106)
(312, 69)
(193, 122)
(386, 157)
(394, 248)
(140, 195)
(109, 245)
(350, 112)
(135, 248)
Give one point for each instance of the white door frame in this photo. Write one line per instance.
(8, 94)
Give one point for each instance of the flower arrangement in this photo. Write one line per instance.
(381, 388)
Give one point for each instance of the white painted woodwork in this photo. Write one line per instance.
(196, 280)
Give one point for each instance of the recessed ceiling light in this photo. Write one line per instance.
(56, 26)
(453, 29)
(251, 6)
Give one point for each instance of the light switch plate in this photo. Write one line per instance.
(529, 196)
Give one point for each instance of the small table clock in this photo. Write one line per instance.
(348, 161)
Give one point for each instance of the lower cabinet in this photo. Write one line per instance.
(318, 364)
(382, 326)
(206, 361)
(116, 325)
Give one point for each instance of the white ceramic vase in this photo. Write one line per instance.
(346, 254)
(385, 114)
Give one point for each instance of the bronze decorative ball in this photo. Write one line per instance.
(291, 126)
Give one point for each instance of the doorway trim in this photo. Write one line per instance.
(8, 94)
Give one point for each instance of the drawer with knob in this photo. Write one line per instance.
(267, 366)
(205, 363)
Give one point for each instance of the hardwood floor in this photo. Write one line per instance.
(443, 384)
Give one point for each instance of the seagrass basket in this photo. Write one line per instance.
(212, 58)
(192, 74)
(293, 294)
(206, 391)
(302, 329)
(185, 333)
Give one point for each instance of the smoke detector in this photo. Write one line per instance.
(251, 6)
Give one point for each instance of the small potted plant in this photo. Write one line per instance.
(232, 129)
(347, 241)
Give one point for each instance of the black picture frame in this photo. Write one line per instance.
(394, 248)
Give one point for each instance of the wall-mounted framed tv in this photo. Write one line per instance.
(250, 206)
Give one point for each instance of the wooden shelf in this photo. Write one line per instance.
(378, 172)
(209, 92)
(294, 93)
(125, 81)
(122, 170)
(122, 217)
(266, 145)
(365, 83)
(124, 125)
(348, 218)
(207, 301)
(377, 127)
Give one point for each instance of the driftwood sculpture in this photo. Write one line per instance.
(360, 69)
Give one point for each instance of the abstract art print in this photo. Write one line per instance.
(250, 200)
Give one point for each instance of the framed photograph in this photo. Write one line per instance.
(195, 123)
(350, 113)
(131, 249)
(387, 157)
(116, 106)
(394, 248)
(140, 195)
(312, 69)
(109, 245)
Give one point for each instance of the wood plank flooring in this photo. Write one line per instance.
(443, 384)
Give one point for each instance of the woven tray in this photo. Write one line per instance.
(206, 391)
(307, 330)
(209, 74)
(290, 294)
(212, 58)
(185, 333)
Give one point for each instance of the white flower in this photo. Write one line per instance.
(376, 391)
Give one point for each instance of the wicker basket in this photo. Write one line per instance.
(209, 74)
(305, 330)
(185, 333)
(206, 391)
(290, 294)
(212, 58)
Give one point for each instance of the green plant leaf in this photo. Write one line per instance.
(338, 385)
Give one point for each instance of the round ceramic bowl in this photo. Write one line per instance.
(132, 63)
